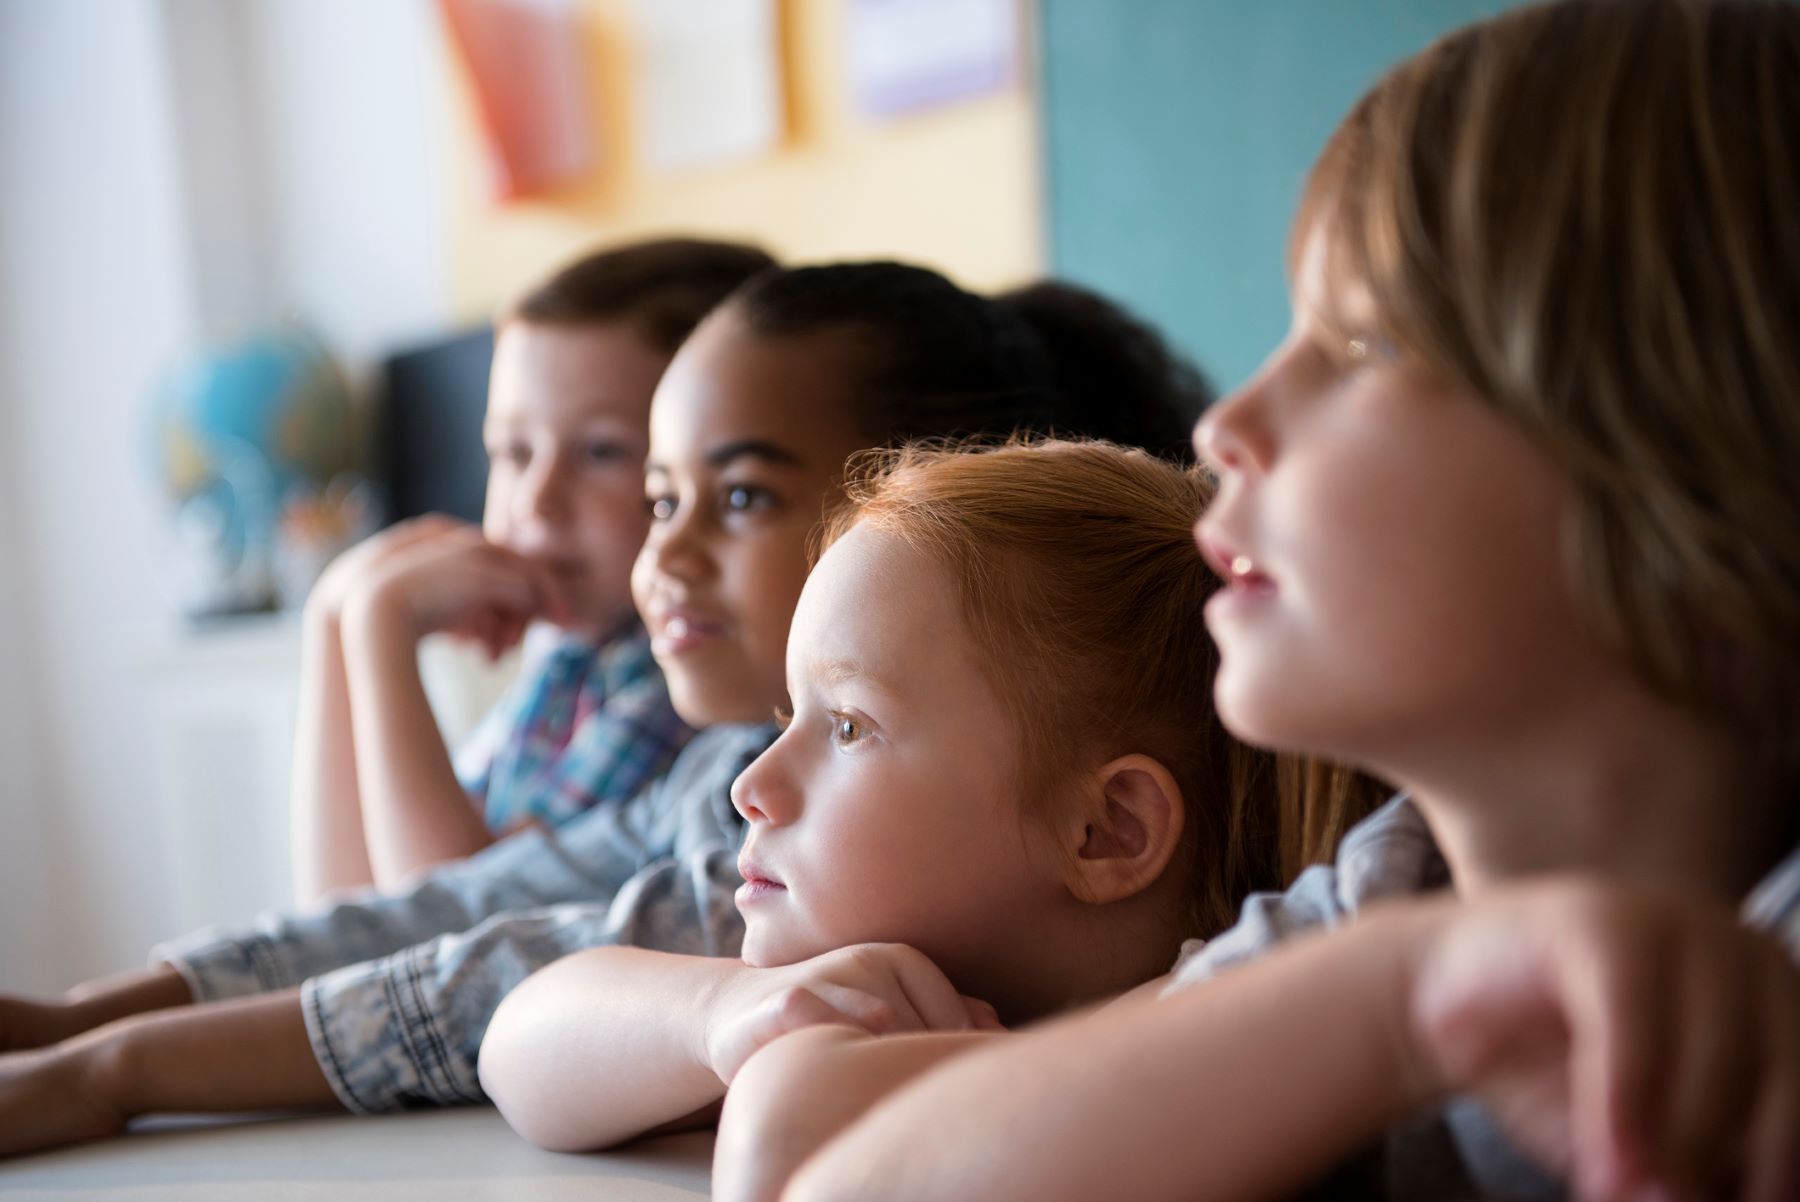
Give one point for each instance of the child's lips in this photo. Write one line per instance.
(675, 631)
(1235, 567)
(758, 884)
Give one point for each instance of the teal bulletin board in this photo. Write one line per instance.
(1178, 133)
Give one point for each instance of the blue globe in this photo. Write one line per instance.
(238, 432)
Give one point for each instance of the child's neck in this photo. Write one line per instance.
(1074, 956)
(1618, 782)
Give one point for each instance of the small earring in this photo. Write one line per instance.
(1241, 565)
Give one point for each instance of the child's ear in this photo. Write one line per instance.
(1129, 826)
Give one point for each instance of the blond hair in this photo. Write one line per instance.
(1082, 586)
(1585, 213)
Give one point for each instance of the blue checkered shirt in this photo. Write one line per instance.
(587, 722)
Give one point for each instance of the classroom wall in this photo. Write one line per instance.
(169, 170)
(956, 188)
(96, 297)
(1178, 134)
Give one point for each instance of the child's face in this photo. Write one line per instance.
(748, 438)
(566, 427)
(888, 811)
(1391, 546)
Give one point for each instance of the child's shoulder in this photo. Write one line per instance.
(1389, 854)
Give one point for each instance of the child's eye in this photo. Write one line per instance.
(784, 717)
(747, 498)
(661, 508)
(846, 730)
(511, 454)
(605, 452)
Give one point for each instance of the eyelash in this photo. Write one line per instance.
(518, 454)
(605, 452)
(754, 499)
(838, 722)
(784, 717)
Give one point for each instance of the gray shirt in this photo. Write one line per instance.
(1457, 1152)
(397, 989)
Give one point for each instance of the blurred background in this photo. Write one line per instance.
(306, 210)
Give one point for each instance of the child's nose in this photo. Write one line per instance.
(544, 491)
(762, 795)
(1232, 435)
(674, 548)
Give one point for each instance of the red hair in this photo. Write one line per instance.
(1081, 584)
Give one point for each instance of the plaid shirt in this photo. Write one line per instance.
(587, 722)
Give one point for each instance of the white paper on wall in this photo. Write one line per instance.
(907, 55)
(707, 80)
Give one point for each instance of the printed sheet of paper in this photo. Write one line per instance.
(707, 80)
(908, 55)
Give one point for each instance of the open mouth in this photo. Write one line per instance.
(1235, 567)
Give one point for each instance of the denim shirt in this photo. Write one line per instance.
(1458, 1152)
(397, 989)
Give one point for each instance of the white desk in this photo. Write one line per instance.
(420, 1156)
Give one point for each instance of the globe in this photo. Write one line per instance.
(242, 432)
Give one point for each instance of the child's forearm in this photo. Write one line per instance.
(139, 991)
(800, 1091)
(330, 848)
(1251, 1086)
(414, 811)
(603, 1046)
(245, 1054)
(26, 1023)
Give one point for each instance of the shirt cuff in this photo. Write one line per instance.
(217, 967)
(378, 1040)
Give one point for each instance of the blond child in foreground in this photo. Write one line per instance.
(1510, 519)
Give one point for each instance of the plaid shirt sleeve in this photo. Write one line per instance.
(630, 737)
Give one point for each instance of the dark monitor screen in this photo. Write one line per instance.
(429, 453)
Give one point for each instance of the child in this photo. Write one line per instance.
(381, 1001)
(376, 796)
(1001, 754)
(1509, 518)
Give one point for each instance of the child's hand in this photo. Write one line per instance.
(881, 988)
(341, 576)
(56, 1096)
(1648, 1046)
(457, 582)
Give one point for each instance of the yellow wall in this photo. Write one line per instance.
(955, 188)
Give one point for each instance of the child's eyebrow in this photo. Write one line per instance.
(837, 671)
(755, 448)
